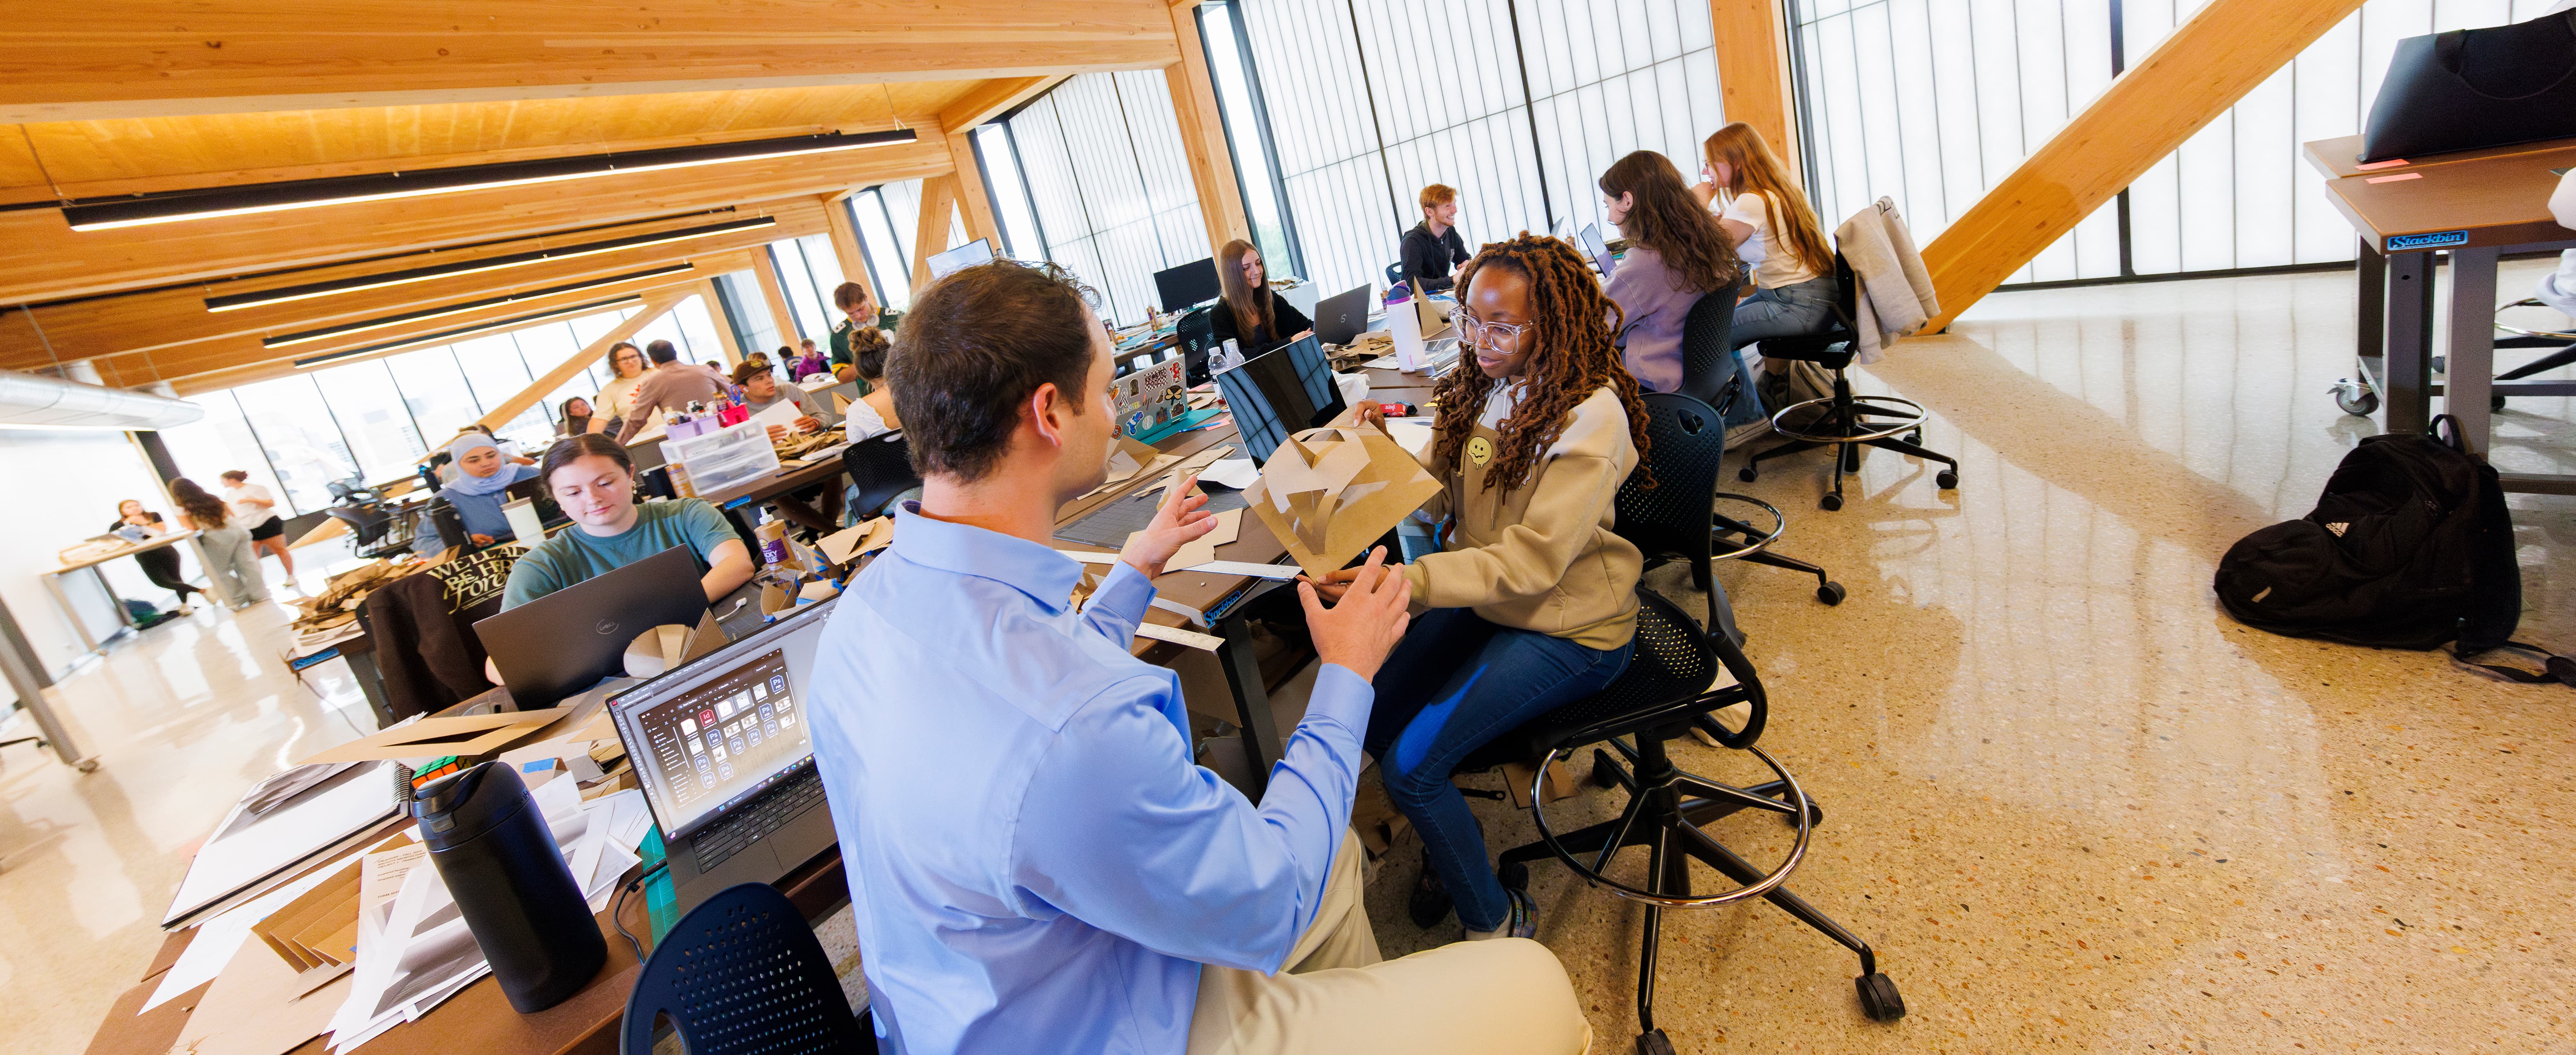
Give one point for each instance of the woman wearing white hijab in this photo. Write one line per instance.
(483, 479)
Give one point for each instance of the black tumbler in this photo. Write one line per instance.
(491, 845)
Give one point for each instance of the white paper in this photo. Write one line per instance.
(1177, 608)
(1236, 567)
(1088, 557)
(245, 849)
(1237, 473)
(1412, 434)
(782, 413)
(219, 938)
(1383, 362)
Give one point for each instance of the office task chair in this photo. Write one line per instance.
(1843, 428)
(880, 468)
(1667, 691)
(1395, 274)
(2357, 398)
(1196, 336)
(742, 974)
(1707, 336)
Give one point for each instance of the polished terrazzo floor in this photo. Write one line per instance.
(2073, 806)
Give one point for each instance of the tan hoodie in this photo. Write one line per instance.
(1541, 556)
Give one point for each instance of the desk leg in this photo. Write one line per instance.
(2410, 342)
(99, 571)
(2371, 328)
(54, 582)
(1251, 701)
(2472, 362)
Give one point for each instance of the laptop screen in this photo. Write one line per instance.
(712, 736)
(1597, 249)
(1280, 393)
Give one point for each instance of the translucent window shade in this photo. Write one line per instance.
(798, 283)
(369, 407)
(700, 329)
(1011, 206)
(749, 311)
(434, 388)
(1243, 132)
(544, 348)
(666, 327)
(877, 239)
(303, 443)
(901, 201)
(1108, 180)
(825, 265)
(218, 443)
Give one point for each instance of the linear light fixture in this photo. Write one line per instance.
(211, 202)
(310, 362)
(345, 329)
(307, 291)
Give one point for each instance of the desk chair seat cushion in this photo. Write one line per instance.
(743, 973)
(1670, 661)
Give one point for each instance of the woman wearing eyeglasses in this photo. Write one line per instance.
(1532, 600)
(608, 412)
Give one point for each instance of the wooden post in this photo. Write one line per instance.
(764, 268)
(733, 351)
(845, 245)
(1753, 74)
(974, 200)
(2195, 75)
(654, 307)
(1203, 134)
(938, 205)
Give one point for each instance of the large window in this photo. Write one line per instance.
(296, 432)
(808, 273)
(1011, 207)
(369, 409)
(889, 255)
(1247, 134)
(1111, 185)
(748, 311)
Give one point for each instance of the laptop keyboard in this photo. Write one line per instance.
(761, 816)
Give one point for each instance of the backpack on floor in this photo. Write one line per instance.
(2409, 547)
(1786, 381)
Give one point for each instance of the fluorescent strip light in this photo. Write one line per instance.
(210, 203)
(288, 294)
(309, 336)
(469, 331)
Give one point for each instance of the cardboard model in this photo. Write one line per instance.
(1327, 493)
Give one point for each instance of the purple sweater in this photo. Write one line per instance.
(1650, 295)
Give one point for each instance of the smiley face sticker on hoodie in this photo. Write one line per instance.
(1480, 450)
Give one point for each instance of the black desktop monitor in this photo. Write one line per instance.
(1285, 391)
(1187, 285)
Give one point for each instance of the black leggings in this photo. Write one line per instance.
(162, 567)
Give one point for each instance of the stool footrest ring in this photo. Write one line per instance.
(1908, 414)
(1672, 782)
(1760, 541)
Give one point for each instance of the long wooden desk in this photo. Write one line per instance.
(2475, 205)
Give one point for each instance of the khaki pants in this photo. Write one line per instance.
(1337, 995)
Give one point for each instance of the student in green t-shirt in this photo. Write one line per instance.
(591, 477)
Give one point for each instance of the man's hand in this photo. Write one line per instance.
(809, 423)
(1366, 621)
(778, 434)
(480, 540)
(1179, 520)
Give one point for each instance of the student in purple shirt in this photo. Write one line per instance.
(1035, 863)
(1676, 254)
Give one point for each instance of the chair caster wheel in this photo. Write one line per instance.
(1603, 775)
(2495, 403)
(1915, 437)
(1878, 998)
(1830, 593)
(1947, 479)
(1748, 474)
(1654, 1042)
(1513, 875)
(1830, 502)
(2359, 404)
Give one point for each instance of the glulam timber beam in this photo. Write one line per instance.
(47, 260)
(172, 317)
(1753, 74)
(938, 210)
(2208, 63)
(145, 58)
(974, 198)
(654, 307)
(992, 99)
(1203, 134)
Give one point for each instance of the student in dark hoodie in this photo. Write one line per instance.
(1432, 247)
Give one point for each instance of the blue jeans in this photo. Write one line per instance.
(1800, 307)
(1453, 683)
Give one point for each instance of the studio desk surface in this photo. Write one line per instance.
(480, 1019)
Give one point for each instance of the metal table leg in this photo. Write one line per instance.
(2472, 352)
(2371, 328)
(80, 629)
(2409, 334)
(26, 674)
(1251, 699)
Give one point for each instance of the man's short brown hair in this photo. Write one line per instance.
(973, 347)
(1438, 194)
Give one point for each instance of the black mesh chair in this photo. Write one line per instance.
(1847, 425)
(1707, 347)
(880, 468)
(1668, 689)
(741, 974)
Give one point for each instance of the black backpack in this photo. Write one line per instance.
(2409, 547)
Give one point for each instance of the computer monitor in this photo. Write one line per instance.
(712, 735)
(1598, 249)
(979, 251)
(1282, 392)
(1343, 316)
(559, 645)
(1188, 285)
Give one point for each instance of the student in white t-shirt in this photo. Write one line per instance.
(255, 508)
(1775, 234)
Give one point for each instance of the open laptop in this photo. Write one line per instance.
(979, 251)
(1599, 250)
(1280, 393)
(557, 646)
(726, 758)
(1343, 316)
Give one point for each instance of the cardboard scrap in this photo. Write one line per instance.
(1328, 493)
(1127, 460)
(849, 544)
(469, 735)
(840, 405)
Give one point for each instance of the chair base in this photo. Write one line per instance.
(1846, 430)
(1736, 540)
(1666, 808)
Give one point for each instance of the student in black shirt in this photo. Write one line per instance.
(1253, 315)
(1433, 247)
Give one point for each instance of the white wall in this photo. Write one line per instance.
(64, 487)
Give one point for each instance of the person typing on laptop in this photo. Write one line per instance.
(1034, 861)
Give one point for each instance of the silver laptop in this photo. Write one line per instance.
(726, 758)
(1598, 249)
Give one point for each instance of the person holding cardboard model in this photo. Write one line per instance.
(1035, 864)
(1532, 599)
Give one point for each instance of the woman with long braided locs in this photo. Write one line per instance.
(1573, 331)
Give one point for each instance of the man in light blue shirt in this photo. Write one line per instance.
(1034, 861)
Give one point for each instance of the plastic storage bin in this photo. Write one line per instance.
(722, 458)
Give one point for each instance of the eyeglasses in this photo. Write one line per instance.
(1502, 332)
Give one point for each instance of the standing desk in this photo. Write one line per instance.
(80, 626)
(2475, 205)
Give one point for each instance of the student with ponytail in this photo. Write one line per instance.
(1532, 600)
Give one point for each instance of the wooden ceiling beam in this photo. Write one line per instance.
(994, 98)
(47, 260)
(168, 318)
(133, 58)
